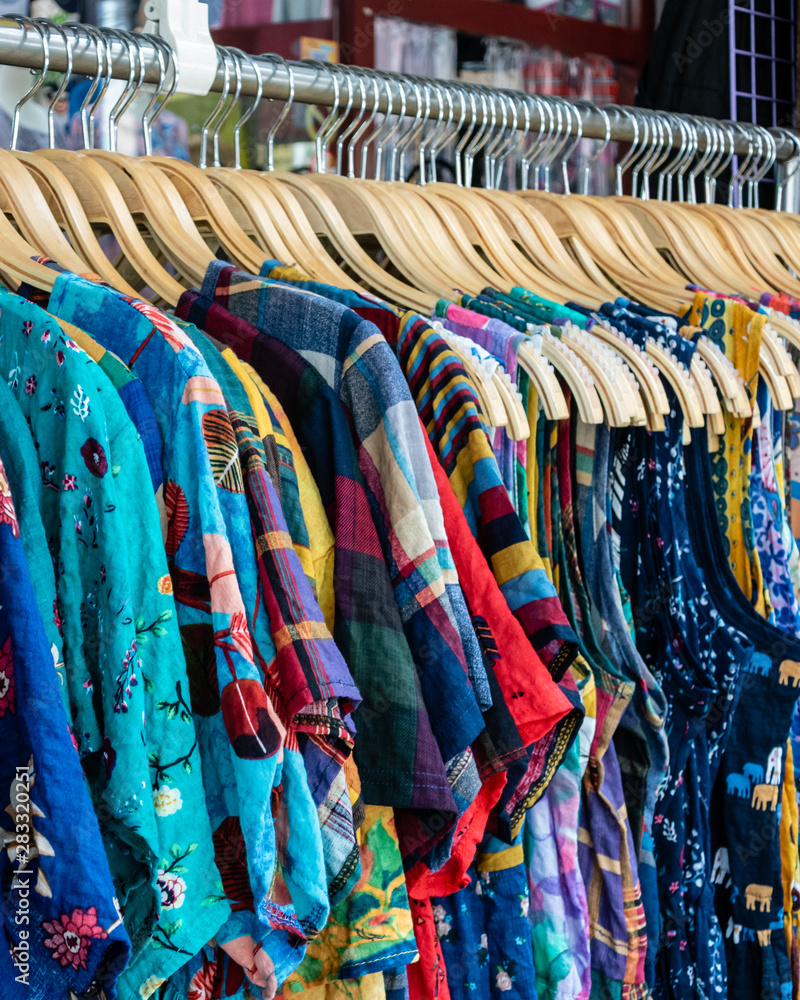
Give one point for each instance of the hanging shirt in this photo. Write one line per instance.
(295, 620)
(358, 364)
(453, 422)
(239, 729)
(521, 576)
(61, 920)
(316, 549)
(737, 331)
(132, 394)
(399, 762)
(123, 656)
(22, 472)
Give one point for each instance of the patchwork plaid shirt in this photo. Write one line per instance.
(399, 763)
(362, 369)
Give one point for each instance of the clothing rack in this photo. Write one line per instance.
(311, 83)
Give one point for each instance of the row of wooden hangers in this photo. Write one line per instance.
(170, 219)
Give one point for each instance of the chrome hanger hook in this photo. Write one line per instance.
(623, 163)
(226, 86)
(480, 139)
(735, 189)
(726, 156)
(465, 138)
(95, 36)
(351, 146)
(514, 141)
(755, 167)
(590, 161)
(47, 27)
(563, 127)
(392, 130)
(429, 137)
(709, 151)
(136, 64)
(107, 50)
(319, 150)
(650, 125)
(439, 135)
(664, 191)
(532, 157)
(782, 176)
(229, 104)
(257, 98)
(498, 141)
(342, 118)
(381, 130)
(549, 143)
(565, 157)
(147, 121)
(397, 162)
(345, 134)
(26, 23)
(694, 141)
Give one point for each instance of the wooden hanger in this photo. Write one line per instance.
(518, 428)
(62, 202)
(614, 393)
(104, 204)
(575, 374)
(367, 212)
(643, 369)
(202, 198)
(147, 192)
(543, 377)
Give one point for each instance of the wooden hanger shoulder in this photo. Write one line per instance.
(531, 232)
(281, 196)
(150, 194)
(542, 374)
(21, 198)
(205, 204)
(325, 218)
(366, 213)
(69, 213)
(518, 428)
(566, 363)
(103, 203)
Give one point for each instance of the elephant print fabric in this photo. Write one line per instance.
(745, 818)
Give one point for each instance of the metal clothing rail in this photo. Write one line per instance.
(20, 45)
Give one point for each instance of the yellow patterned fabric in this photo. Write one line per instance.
(321, 540)
(789, 850)
(370, 987)
(737, 330)
(371, 930)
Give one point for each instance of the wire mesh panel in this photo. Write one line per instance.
(762, 47)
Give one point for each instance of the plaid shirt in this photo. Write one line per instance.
(452, 419)
(359, 365)
(398, 760)
(608, 856)
(387, 319)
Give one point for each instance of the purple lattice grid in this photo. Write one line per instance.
(762, 58)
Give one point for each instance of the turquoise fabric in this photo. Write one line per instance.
(121, 643)
(222, 623)
(58, 915)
